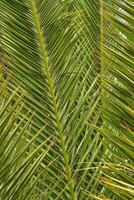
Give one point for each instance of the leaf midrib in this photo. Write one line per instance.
(46, 68)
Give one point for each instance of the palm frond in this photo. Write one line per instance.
(118, 113)
(74, 62)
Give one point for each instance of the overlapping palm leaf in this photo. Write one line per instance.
(118, 102)
(20, 158)
(75, 68)
(50, 58)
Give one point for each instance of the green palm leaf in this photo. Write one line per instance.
(74, 62)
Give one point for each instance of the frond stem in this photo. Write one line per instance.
(47, 72)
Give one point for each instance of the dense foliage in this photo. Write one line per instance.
(66, 99)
